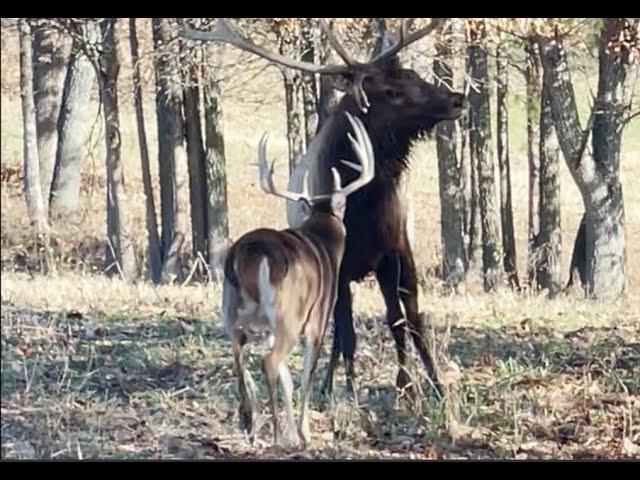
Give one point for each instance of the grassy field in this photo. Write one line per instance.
(95, 368)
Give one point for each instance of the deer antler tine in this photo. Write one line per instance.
(337, 181)
(305, 184)
(355, 166)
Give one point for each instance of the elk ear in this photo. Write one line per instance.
(391, 64)
(343, 82)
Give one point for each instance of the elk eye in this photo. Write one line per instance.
(394, 94)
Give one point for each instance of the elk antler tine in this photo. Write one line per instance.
(226, 33)
(335, 44)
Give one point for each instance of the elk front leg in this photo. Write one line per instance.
(327, 386)
(388, 276)
(409, 298)
(344, 339)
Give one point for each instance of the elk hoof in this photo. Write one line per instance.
(405, 386)
(352, 390)
(246, 419)
(290, 439)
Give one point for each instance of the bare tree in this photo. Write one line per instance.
(50, 52)
(327, 97)
(289, 44)
(309, 88)
(471, 170)
(195, 154)
(170, 146)
(154, 258)
(73, 125)
(504, 165)
(597, 175)
(549, 238)
(455, 262)
(32, 185)
(482, 156)
(217, 207)
(121, 248)
(533, 82)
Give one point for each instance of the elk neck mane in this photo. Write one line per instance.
(391, 145)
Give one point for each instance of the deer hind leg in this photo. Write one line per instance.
(313, 344)
(246, 388)
(274, 365)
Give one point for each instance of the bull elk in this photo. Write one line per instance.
(397, 107)
(282, 285)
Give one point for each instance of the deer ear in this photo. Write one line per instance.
(343, 82)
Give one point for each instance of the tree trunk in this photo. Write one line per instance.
(597, 175)
(196, 162)
(549, 239)
(121, 247)
(308, 89)
(473, 222)
(154, 259)
(451, 194)
(533, 81)
(73, 126)
(480, 139)
(32, 184)
(50, 52)
(295, 126)
(217, 208)
(504, 165)
(170, 147)
(327, 98)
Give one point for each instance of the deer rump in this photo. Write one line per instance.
(266, 261)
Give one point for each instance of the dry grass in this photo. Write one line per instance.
(95, 368)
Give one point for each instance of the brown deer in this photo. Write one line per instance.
(397, 108)
(282, 285)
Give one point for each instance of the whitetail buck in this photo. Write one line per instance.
(397, 108)
(282, 285)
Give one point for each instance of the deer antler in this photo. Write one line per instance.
(266, 176)
(363, 149)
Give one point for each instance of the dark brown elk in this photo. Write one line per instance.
(282, 285)
(397, 108)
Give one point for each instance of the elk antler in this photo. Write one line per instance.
(405, 40)
(223, 32)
